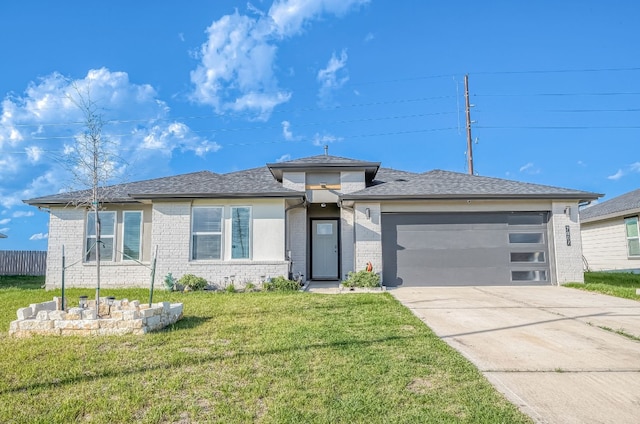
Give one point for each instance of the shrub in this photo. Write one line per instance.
(362, 279)
(281, 284)
(169, 282)
(230, 288)
(192, 282)
(249, 287)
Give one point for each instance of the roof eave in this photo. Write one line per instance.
(580, 197)
(612, 215)
(183, 196)
(277, 169)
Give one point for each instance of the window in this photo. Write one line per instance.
(527, 257)
(107, 236)
(240, 232)
(633, 241)
(533, 275)
(206, 233)
(131, 235)
(526, 238)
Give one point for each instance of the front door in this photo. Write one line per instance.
(324, 249)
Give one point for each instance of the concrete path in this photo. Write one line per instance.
(545, 348)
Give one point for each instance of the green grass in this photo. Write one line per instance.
(251, 357)
(612, 283)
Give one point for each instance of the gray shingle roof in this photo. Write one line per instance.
(256, 182)
(446, 184)
(324, 159)
(628, 202)
(324, 162)
(2, 236)
(260, 182)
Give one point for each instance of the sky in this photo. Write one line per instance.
(227, 85)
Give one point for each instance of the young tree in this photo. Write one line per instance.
(94, 163)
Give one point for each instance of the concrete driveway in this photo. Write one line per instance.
(545, 348)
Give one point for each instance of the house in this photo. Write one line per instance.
(321, 217)
(610, 234)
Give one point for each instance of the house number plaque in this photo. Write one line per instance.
(567, 231)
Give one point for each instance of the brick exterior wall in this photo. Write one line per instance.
(67, 228)
(568, 259)
(368, 233)
(347, 247)
(297, 233)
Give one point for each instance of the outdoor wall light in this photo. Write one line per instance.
(323, 205)
(367, 213)
(83, 302)
(567, 211)
(110, 301)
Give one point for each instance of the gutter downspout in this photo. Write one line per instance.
(287, 242)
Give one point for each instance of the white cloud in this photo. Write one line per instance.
(368, 37)
(289, 16)
(237, 62)
(4, 230)
(629, 169)
(333, 77)
(617, 175)
(21, 214)
(38, 128)
(39, 236)
(34, 153)
(530, 168)
(322, 139)
(284, 158)
(5, 221)
(526, 167)
(286, 130)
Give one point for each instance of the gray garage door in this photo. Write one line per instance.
(454, 249)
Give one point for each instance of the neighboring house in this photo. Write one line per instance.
(322, 217)
(610, 234)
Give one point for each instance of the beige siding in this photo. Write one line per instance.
(605, 245)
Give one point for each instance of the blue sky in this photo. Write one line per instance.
(227, 85)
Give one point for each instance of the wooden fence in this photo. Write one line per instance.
(23, 262)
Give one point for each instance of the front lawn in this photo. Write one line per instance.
(251, 357)
(612, 283)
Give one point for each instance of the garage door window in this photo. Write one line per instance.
(529, 238)
(537, 275)
(537, 257)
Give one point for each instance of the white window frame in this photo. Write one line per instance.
(204, 233)
(124, 223)
(250, 238)
(91, 215)
(628, 238)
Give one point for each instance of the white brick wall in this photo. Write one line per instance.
(347, 246)
(568, 259)
(172, 233)
(66, 227)
(298, 240)
(368, 237)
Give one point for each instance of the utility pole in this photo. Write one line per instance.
(468, 112)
